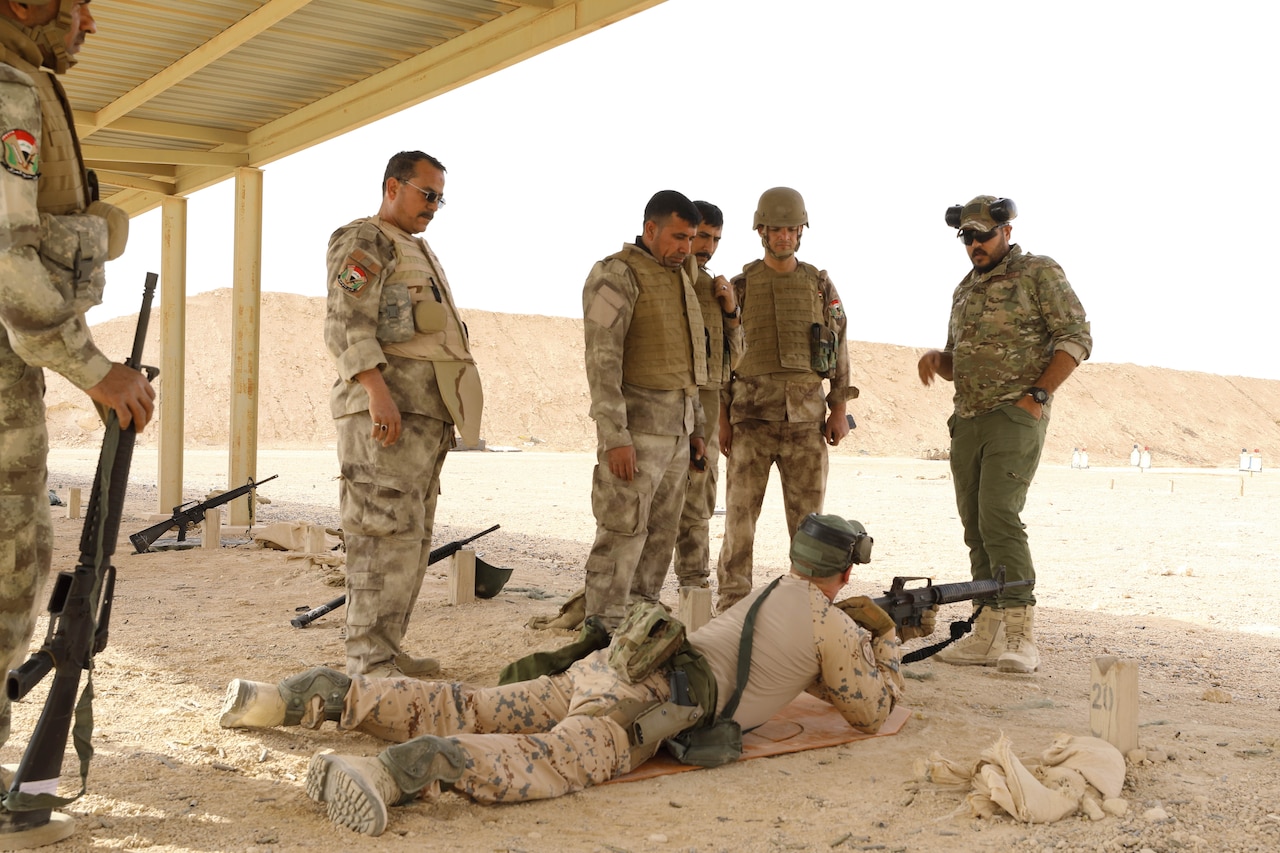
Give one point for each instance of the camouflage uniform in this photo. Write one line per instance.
(1005, 326)
(379, 279)
(43, 225)
(559, 734)
(693, 538)
(777, 409)
(645, 357)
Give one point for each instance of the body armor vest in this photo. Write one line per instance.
(432, 330)
(664, 348)
(712, 311)
(778, 311)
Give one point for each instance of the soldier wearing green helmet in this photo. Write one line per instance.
(775, 409)
(1017, 331)
(557, 734)
(55, 239)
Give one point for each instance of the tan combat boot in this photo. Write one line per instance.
(308, 698)
(1020, 652)
(984, 644)
(417, 667)
(358, 790)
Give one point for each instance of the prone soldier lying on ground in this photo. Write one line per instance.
(558, 734)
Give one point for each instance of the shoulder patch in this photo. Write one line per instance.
(359, 268)
(20, 153)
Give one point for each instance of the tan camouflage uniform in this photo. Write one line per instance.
(1005, 326)
(693, 539)
(777, 409)
(641, 322)
(43, 199)
(559, 734)
(377, 277)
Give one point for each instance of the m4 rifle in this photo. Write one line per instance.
(187, 514)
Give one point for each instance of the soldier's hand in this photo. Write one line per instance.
(622, 462)
(934, 363)
(725, 294)
(726, 432)
(697, 454)
(836, 427)
(128, 392)
(868, 614)
(927, 620)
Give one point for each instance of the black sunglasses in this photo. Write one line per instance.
(969, 236)
(431, 196)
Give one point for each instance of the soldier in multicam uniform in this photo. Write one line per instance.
(558, 734)
(405, 378)
(645, 358)
(54, 242)
(1017, 331)
(720, 319)
(777, 414)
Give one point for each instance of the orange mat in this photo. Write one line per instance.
(807, 723)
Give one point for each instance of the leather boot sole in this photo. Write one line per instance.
(350, 799)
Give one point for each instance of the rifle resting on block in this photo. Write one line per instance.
(187, 514)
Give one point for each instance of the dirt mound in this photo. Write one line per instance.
(536, 393)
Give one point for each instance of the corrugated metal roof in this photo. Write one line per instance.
(172, 97)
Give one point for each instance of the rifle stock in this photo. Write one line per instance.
(437, 554)
(79, 618)
(187, 514)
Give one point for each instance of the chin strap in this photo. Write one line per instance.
(51, 38)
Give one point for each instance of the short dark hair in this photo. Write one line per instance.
(711, 215)
(402, 166)
(667, 203)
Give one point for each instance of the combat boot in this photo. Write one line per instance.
(1020, 652)
(983, 646)
(417, 667)
(309, 697)
(357, 791)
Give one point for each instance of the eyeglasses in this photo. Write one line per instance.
(431, 196)
(969, 236)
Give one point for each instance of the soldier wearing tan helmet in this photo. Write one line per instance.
(1017, 331)
(55, 240)
(561, 733)
(777, 410)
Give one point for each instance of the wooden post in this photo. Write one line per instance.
(1113, 702)
(462, 577)
(211, 530)
(694, 609)
(73, 503)
(315, 539)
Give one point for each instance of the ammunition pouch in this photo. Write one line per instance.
(429, 316)
(395, 314)
(824, 349)
(647, 638)
(73, 249)
(708, 746)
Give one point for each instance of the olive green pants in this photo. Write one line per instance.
(994, 457)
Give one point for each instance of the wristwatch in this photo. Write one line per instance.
(1040, 395)
(732, 315)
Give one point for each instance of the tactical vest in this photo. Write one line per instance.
(712, 311)
(778, 311)
(664, 348)
(430, 328)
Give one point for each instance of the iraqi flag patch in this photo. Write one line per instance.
(21, 153)
(352, 278)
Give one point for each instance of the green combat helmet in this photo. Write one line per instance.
(982, 213)
(826, 545)
(781, 207)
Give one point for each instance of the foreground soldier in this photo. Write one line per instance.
(55, 240)
(559, 734)
(1017, 331)
(405, 378)
(794, 328)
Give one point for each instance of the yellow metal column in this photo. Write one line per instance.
(246, 307)
(173, 348)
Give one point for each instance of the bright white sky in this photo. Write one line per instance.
(1137, 139)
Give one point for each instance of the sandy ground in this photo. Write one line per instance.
(1174, 569)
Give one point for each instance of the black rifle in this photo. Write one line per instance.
(436, 555)
(79, 622)
(906, 606)
(187, 514)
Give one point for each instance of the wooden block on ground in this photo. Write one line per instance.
(73, 503)
(462, 577)
(1113, 702)
(694, 609)
(315, 539)
(211, 530)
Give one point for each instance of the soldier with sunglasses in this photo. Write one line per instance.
(1017, 331)
(406, 379)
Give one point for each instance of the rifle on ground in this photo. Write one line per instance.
(436, 555)
(79, 622)
(187, 514)
(906, 606)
